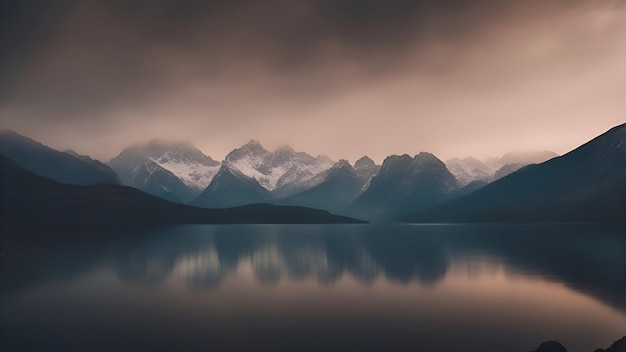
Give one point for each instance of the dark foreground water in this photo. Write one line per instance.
(319, 288)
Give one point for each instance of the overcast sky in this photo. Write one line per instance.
(338, 77)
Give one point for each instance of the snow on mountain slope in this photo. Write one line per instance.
(366, 168)
(194, 175)
(160, 168)
(229, 188)
(469, 169)
(282, 172)
(185, 161)
(341, 184)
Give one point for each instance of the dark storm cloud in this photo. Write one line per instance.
(78, 55)
(116, 69)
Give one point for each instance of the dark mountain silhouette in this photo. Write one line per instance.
(366, 168)
(340, 186)
(587, 184)
(31, 200)
(175, 171)
(53, 164)
(230, 188)
(617, 346)
(404, 184)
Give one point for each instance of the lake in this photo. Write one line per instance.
(379, 287)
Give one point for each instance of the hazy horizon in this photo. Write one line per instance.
(220, 158)
(344, 78)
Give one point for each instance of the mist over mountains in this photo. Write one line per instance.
(403, 184)
(470, 169)
(62, 167)
(337, 187)
(587, 184)
(31, 201)
(177, 171)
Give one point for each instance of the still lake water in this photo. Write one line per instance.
(319, 288)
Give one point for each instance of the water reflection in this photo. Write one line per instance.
(335, 287)
(586, 258)
(203, 269)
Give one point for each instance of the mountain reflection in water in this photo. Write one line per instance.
(205, 256)
(397, 282)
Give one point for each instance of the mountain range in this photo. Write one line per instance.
(587, 184)
(30, 200)
(471, 169)
(336, 187)
(230, 188)
(423, 186)
(282, 172)
(404, 184)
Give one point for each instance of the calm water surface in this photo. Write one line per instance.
(319, 287)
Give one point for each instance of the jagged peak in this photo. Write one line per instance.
(406, 162)
(397, 158)
(425, 156)
(253, 142)
(343, 163)
(252, 147)
(364, 161)
(396, 161)
(133, 149)
(226, 170)
(177, 151)
(285, 149)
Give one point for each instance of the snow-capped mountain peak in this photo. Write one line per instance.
(137, 164)
(341, 164)
(185, 161)
(283, 171)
